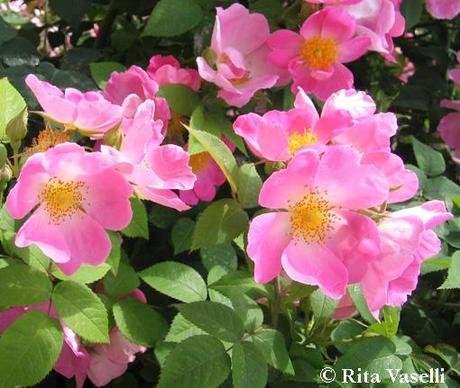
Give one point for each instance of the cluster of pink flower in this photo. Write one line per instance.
(449, 126)
(244, 57)
(100, 363)
(329, 225)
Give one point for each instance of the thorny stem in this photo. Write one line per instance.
(276, 303)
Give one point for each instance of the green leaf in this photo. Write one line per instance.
(215, 319)
(33, 257)
(371, 354)
(271, 344)
(6, 31)
(139, 224)
(219, 223)
(453, 274)
(139, 322)
(389, 326)
(85, 274)
(181, 235)
(177, 280)
(428, 159)
(82, 311)
(11, 105)
(249, 185)
(182, 329)
(220, 153)
(123, 283)
(72, 11)
(101, 71)
(181, 99)
(249, 311)
(21, 285)
(173, 17)
(323, 307)
(215, 123)
(223, 255)
(360, 303)
(440, 188)
(240, 281)
(28, 349)
(412, 11)
(249, 368)
(115, 253)
(198, 362)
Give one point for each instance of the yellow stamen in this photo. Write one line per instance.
(45, 140)
(199, 161)
(319, 53)
(61, 200)
(297, 140)
(312, 218)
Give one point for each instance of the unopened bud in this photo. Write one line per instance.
(3, 155)
(6, 174)
(16, 129)
(210, 56)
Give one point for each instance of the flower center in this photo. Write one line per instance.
(297, 140)
(45, 140)
(62, 199)
(312, 218)
(319, 53)
(199, 161)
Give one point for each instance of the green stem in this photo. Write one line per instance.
(276, 303)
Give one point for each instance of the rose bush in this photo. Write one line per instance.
(200, 193)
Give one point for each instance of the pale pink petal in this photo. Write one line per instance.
(285, 45)
(268, 236)
(284, 188)
(163, 197)
(338, 24)
(315, 265)
(443, 9)
(23, 197)
(348, 183)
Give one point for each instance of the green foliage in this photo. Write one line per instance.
(429, 160)
(179, 281)
(181, 235)
(173, 17)
(181, 99)
(28, 349)
(198, 362)
(221, 222)
(249, 368)
(138, 321)
(21, 285)
(139, 224)
(82, 311)
(215, 319)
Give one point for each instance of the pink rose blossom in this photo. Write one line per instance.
(332, 1)
(73, 197)
(239, 55)
(315, 57)
(166, 70)
(407, 239)
(107, 362)
(380, 20)
(131, 88)
(153, 169)
(443, 9)
(89, 112)
(209, 177)
(317, 236)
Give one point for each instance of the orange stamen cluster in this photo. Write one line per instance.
(312, 218)
(319, 53)
(61, 200)
(45, 140)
